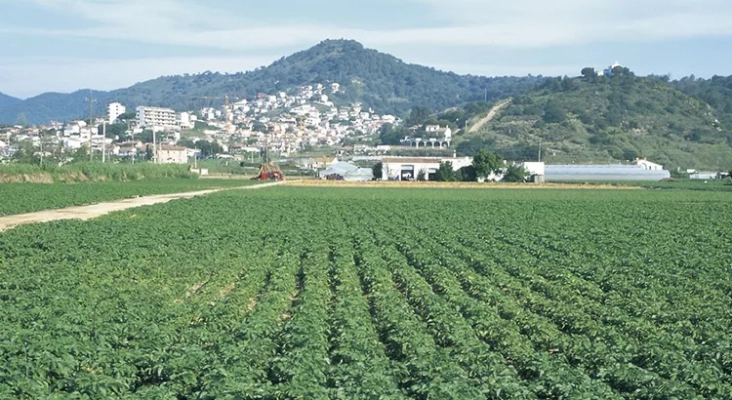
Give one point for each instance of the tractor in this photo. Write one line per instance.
(270, 172)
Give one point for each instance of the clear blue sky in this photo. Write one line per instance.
(64, 45)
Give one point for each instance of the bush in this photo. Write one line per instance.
(515, 173)
(96, 171)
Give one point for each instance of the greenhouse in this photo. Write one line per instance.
(343, 171)
(589, 173)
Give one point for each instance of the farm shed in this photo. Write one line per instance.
(346, 171)
(405, 168)
(589, 173)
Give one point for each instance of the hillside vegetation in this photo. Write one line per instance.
(376, 79)
(6, 100)
(609, 119)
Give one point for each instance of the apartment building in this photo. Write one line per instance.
(114, 110)
(156, 118)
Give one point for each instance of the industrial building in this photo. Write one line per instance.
(406, 168)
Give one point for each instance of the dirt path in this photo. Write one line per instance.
(491, 114)
(97, 210)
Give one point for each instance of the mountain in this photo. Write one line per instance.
(614, 118)
(6, 100)
(378, 80)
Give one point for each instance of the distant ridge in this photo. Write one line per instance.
(377, 80)
(6, 100)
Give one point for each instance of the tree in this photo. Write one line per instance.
(113, 130)
(378, 170)
(486, 163)
(129, 115)
(260, 127)
(81, 154)
(446, 173)
(419, 115)
(22, 120)
(26, 153)
(207, 148)
(473, 145)
(389, 134)
(421, 175)
(467, 174)
(553, 113)
(515, 173)
(589, 73)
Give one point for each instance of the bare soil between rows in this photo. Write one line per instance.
(455, 185)
(97, 210)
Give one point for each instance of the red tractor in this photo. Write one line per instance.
(270, 172)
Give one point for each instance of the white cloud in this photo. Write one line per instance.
(515, 23)
(29, 77)
(478, 24)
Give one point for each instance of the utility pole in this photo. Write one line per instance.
(155, 148)
(91, 123)
(485, 95)
(132, 133)
(104, 138)
(40, 141)
(539, 150)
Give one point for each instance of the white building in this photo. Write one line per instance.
(157, 118)
(645, 164)
(406, 168)
(172, 155)
(534, 168)
(186, 122)
(114, 110)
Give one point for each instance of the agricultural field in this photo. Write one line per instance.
(20, 198)
(368, 293)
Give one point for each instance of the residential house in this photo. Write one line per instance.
(172, 155)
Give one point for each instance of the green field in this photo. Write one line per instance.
(312, 293)
(17, 198)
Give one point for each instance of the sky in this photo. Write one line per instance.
(65, 45)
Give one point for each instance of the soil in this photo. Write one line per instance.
(97, 210)
(451, 185)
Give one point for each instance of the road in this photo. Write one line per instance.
(97, 210)
(491, 114)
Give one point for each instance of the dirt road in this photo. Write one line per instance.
(96, 210)
(491, 114)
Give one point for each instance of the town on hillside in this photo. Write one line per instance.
(281, 123)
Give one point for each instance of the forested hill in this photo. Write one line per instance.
(6, 100)
(376, 79)
(595, 118)
(717, 92)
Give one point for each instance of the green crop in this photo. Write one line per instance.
(295, 293)
(17, 198)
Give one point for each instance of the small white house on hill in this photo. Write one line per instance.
(648, 165)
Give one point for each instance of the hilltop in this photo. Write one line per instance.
(614, 118)
(378, 80)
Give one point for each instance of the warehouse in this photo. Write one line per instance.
(408, 168)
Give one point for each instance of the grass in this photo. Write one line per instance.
(92, 171)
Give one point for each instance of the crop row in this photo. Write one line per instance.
(282, 294)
